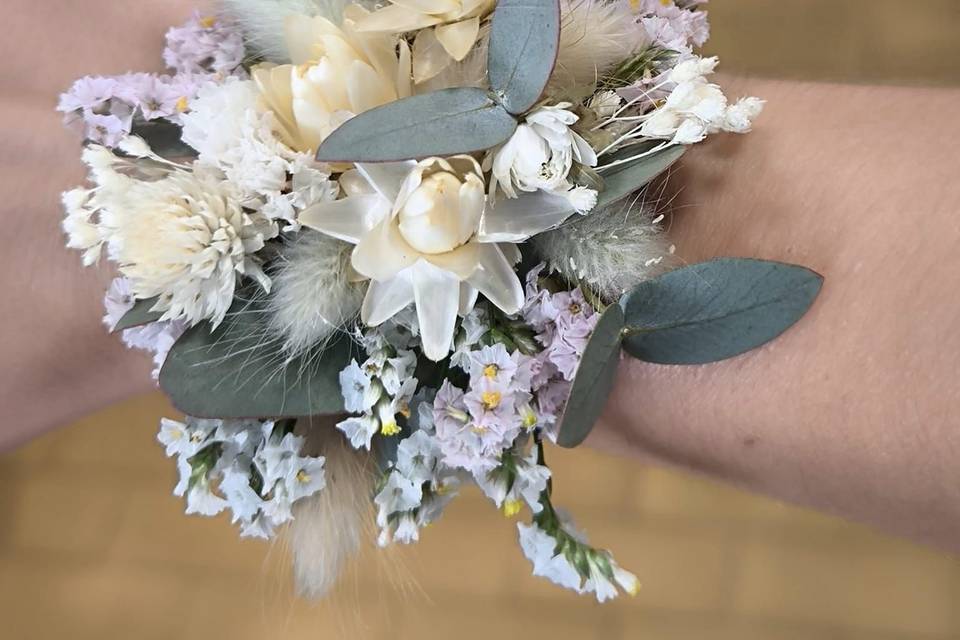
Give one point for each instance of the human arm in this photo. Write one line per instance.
(855, 409)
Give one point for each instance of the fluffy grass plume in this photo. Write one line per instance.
(328, 526)
(262, 21)
(312, 296)
(609, 250)
(595, 36)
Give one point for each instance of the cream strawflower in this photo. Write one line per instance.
(181, 236)
(447, 29)
(337, 72)
(425, 235)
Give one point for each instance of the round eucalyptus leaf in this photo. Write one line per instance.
(140, 314)
(524, 41)
(235, 372)
(594, 379)
(623, 180)
(715, 310)
(442, 123)
(165, 139)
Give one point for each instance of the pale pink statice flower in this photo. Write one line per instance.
(204, 50)
(157, 338)
(564, 322)
(205, 44)
(674, 26)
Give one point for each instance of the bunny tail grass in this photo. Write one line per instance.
(262, 21)
(609, 250)
(328, 527)
(312, 296)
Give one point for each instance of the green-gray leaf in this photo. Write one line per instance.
(622, 180)
(524, 40)
(715, 310)
(165, 139)
(139, 315)
(594, 379)
(442, 123)
(235, 372)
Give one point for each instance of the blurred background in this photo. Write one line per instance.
(94, 546)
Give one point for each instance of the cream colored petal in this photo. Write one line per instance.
(516, 219)
(348, 218)
(429, 6)
(385, 299)
(476, 7)
(459, 37)
(496, 280)
(437, 296)
(395, 19)
(386, 178)
(511, 252)
(471, 202)
(462, 261)
(429, 56)
(468, 298)
(300, 35)
(382, 253)
(365, 89)
(353, 183)
(582, 151)
(276, 94)
(404, 71)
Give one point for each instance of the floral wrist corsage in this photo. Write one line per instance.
(429, 220)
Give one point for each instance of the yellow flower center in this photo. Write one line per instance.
(512, 508)
(529, 419)
(208, 22)
(574, 308)
(183, 104)
(389, 429)
(491, 399)
(490, 371)
(303, 477)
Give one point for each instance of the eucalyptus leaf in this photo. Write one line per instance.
(236, 372)
(524, 41)
(164, 139)
(625, 179)
(140, 314)
(715, 310)
(594, 379)
(442, 123)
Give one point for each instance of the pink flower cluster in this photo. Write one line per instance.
(676, 26)
(509, 392)
(204, 50)
(564, 322)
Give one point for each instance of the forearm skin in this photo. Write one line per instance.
(855, 409)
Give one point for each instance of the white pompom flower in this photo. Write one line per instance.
(181, 235)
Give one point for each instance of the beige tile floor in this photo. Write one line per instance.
(94, 547)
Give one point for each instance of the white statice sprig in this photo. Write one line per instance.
(693, 109)
(251, 468)
(380, 389)
(560, 553)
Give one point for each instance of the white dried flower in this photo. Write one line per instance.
(541, 152)
(183, 238)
